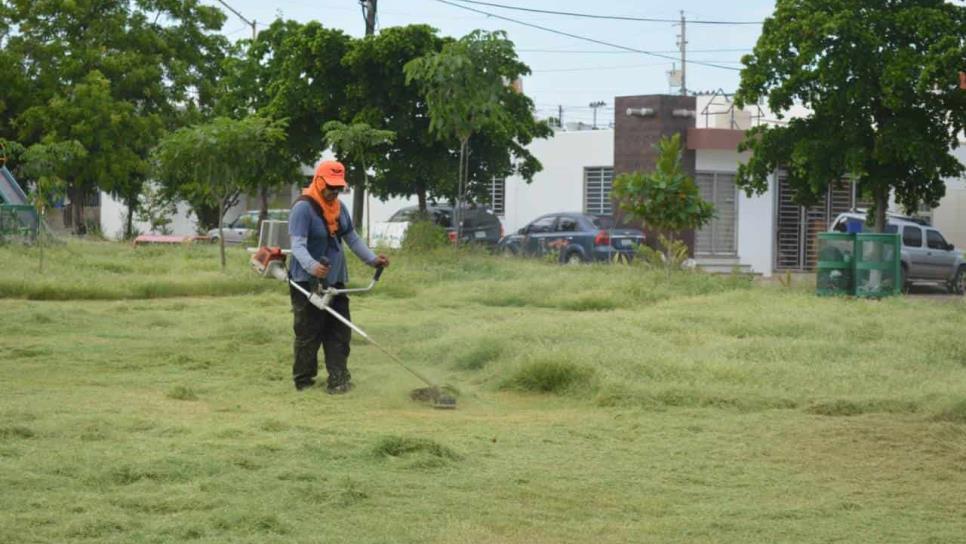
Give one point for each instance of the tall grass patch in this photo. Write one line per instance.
(550, 375)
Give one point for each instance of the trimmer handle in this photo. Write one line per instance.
(379, 270)
(322, 281)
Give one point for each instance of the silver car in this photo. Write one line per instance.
(243, 227)
(926, 255)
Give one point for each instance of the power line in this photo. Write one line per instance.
(598, 51)
(594, 68)
(610, 17)
(584, 38)
(252, 23)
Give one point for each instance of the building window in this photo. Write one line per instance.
(498, 196)
(598, 181)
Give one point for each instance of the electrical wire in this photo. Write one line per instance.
(594, 68)
(584, 38)
(609, 17)
(598, 51)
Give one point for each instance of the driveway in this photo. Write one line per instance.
(933, 292)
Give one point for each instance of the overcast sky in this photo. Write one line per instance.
(568, 72)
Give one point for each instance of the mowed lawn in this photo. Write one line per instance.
(145, 396)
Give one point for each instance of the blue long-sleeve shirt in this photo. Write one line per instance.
(311, 240)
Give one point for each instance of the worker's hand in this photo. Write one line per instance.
(381, 262)
(320, 270)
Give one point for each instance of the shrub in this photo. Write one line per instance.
(425, 235)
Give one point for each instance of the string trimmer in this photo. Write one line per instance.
(269, 262)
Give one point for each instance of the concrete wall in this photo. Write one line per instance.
(756, 214)
(559, 187)
(635, 137)
(114, 216)
(950, 216)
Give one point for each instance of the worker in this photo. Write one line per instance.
(318, 225)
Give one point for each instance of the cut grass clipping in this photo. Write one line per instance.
(421, 453)
(182, 392)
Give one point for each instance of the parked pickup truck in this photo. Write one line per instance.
(926, 255)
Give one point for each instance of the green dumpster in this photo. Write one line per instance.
(878, 265)
(835, 264)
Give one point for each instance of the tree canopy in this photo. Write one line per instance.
(135, 66)
(114, 76)
(666, 199)
(881, 84)
(215, 161)
(467, 90)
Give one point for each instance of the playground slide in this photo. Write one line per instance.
(10, 191)
(12, 195)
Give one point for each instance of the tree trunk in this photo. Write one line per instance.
(263, 209)
(421, 197)
(458, 211)
(129, 221)
(359, 199)
(77, 209)
(365, 197)
(881, 195)
(221, 231)
(40, 236)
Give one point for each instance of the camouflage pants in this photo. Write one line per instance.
(314, 328)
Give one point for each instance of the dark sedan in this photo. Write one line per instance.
(578, 238)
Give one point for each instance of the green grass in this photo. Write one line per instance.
(596, 403)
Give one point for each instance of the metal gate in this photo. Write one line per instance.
(798, 226)
(719, 237)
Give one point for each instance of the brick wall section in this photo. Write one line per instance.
(635, 137)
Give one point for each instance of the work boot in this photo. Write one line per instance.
(339, 383)
(304, 385)
(340, 389)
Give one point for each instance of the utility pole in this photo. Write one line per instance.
(360, 197)
(251, 23)
(683, 44)
(595, 105)
(369, 12)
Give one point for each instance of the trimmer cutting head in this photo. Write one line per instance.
(436, 397)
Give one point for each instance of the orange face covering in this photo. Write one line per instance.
(330, 210)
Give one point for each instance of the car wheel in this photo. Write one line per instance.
(904, 279)
(958, 285)
(574, 257)
(508, 251)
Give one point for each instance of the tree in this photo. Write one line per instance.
(215, 161)
(357, 143)
(881, 83)
(291, 72)
(416, 162)
(116, 141)
(158, 60)
(48, 165)
(666, 199)
(466, 90)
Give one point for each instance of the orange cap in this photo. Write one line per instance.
(331, 172)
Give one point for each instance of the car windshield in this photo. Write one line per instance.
(602, 221)
(403, 215)
(440, 216)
